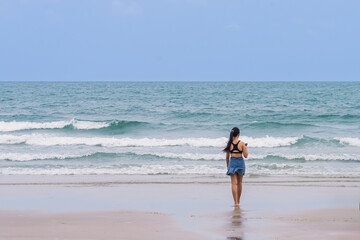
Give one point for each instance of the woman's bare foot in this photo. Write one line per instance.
(236, 205)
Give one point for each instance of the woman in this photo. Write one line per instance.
(236, 167)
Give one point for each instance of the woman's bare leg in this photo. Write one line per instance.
(239, 186)
(234, 188)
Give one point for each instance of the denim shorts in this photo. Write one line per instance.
(236, 165)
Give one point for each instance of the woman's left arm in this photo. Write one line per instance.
(244, 149)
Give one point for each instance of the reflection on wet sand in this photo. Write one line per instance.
(236, 221)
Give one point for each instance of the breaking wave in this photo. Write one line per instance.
(49, 140)
(72, 124)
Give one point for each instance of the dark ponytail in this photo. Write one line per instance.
(233, 133)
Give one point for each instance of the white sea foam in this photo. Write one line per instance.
(133, 170)
(191, 156)
(50, 140)
(186, 155)
(308, 157)
(14, 126)
(221, 156)
(77, 124)
(88, 124)
(349, 140)
(269, 141)
(124, 142)
(274, 169)
(293, 169)
(12, 139)
(37, 156)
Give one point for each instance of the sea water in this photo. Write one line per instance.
(307, 129)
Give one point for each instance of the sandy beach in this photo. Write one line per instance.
(91, 225)
(140, 120)
(161, 207)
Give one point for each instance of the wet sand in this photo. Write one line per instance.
(333, 223)
(91, 225)
(93, 207)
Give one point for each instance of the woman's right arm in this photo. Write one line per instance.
(227, 159)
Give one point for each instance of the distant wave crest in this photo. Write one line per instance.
(353, 141)
(73, 123)
(179, 156)
(265, 125)
(48, 140)
(37, 156)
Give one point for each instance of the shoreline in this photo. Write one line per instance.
(173, 179)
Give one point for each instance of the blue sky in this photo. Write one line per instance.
(179, 40)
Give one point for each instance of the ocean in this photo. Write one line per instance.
(305, 129)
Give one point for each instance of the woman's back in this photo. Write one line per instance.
(236, 149)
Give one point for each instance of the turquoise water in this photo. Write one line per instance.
(175, 128)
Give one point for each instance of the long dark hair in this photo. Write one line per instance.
(233, 133)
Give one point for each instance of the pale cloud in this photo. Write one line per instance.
(126, 8)
(232, 27)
